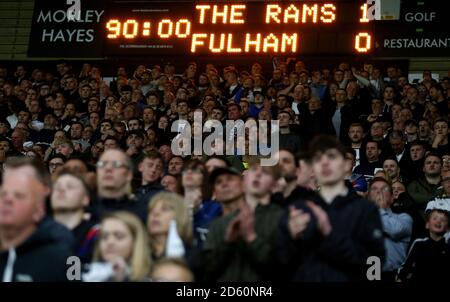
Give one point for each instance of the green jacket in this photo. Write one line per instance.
(421, 192)
(240, 261)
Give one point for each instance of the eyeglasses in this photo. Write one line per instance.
(383, 190)
(115, 164)
(55, 165)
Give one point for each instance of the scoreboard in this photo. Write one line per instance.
(132, 28)
(239, 28)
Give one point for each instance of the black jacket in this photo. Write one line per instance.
(130, 204)
(145, 193)
(427, 261)
(299, 193)
(342, 255)
(41, 258)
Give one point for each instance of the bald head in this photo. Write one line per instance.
(22, 199)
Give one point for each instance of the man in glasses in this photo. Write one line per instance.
(397, 228)
(114, 176)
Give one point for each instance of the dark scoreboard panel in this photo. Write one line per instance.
(237, 28)
(128, 28)
(421, 30)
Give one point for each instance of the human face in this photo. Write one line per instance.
(341, 96)
(372, 151)
(330, 167)
(135, 140)
(398, 145)
(397, 188)
(376, 130)
(338, 76)
(355, 134)
(159, 218)
(54, 164)
(284, 119)
(49, 121)
(445, 163)
(85, 92)
(133, 125)
(412, 94)
(60, 135)
(441, 128)
(314, 104)
(228, 188)
(64, 149)
(151, 169)
(87, 133)
(287, 165)
(169, 183)
(432, 166)
(424, 129)
(35, 107)
(166, 152)
(376, 106)
(21, 200)
(233, 113)
(104, 127)
(282, 102)
(148, 115)
(17, 139)
(110, 144)
(192, 177)
(23, 117)
(391, 168)
(97, 149)
(258, 181)
(380, 193)
(216, 114)
(175, 165)
(4, 146)
(163, 123)
(68, 194)
(110, 177)
(76, 131)
(70, 110)
(305, 173)
(445, 182)
(116, 240)
(388, 94)
(93, 106)
(437, 223)
(417, 152)
(182, 108)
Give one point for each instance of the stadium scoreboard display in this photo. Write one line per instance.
(239, 27)
(117, 28)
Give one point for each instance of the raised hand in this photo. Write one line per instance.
(298, 221)
(232, 232)
(247, 225)
(323, 222)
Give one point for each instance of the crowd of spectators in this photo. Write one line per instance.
(89, 170)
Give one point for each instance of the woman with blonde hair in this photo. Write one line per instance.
(165, 211)
(123, 242)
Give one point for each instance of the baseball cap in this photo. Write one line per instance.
(221, 171)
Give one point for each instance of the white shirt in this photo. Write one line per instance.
(399, 156)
